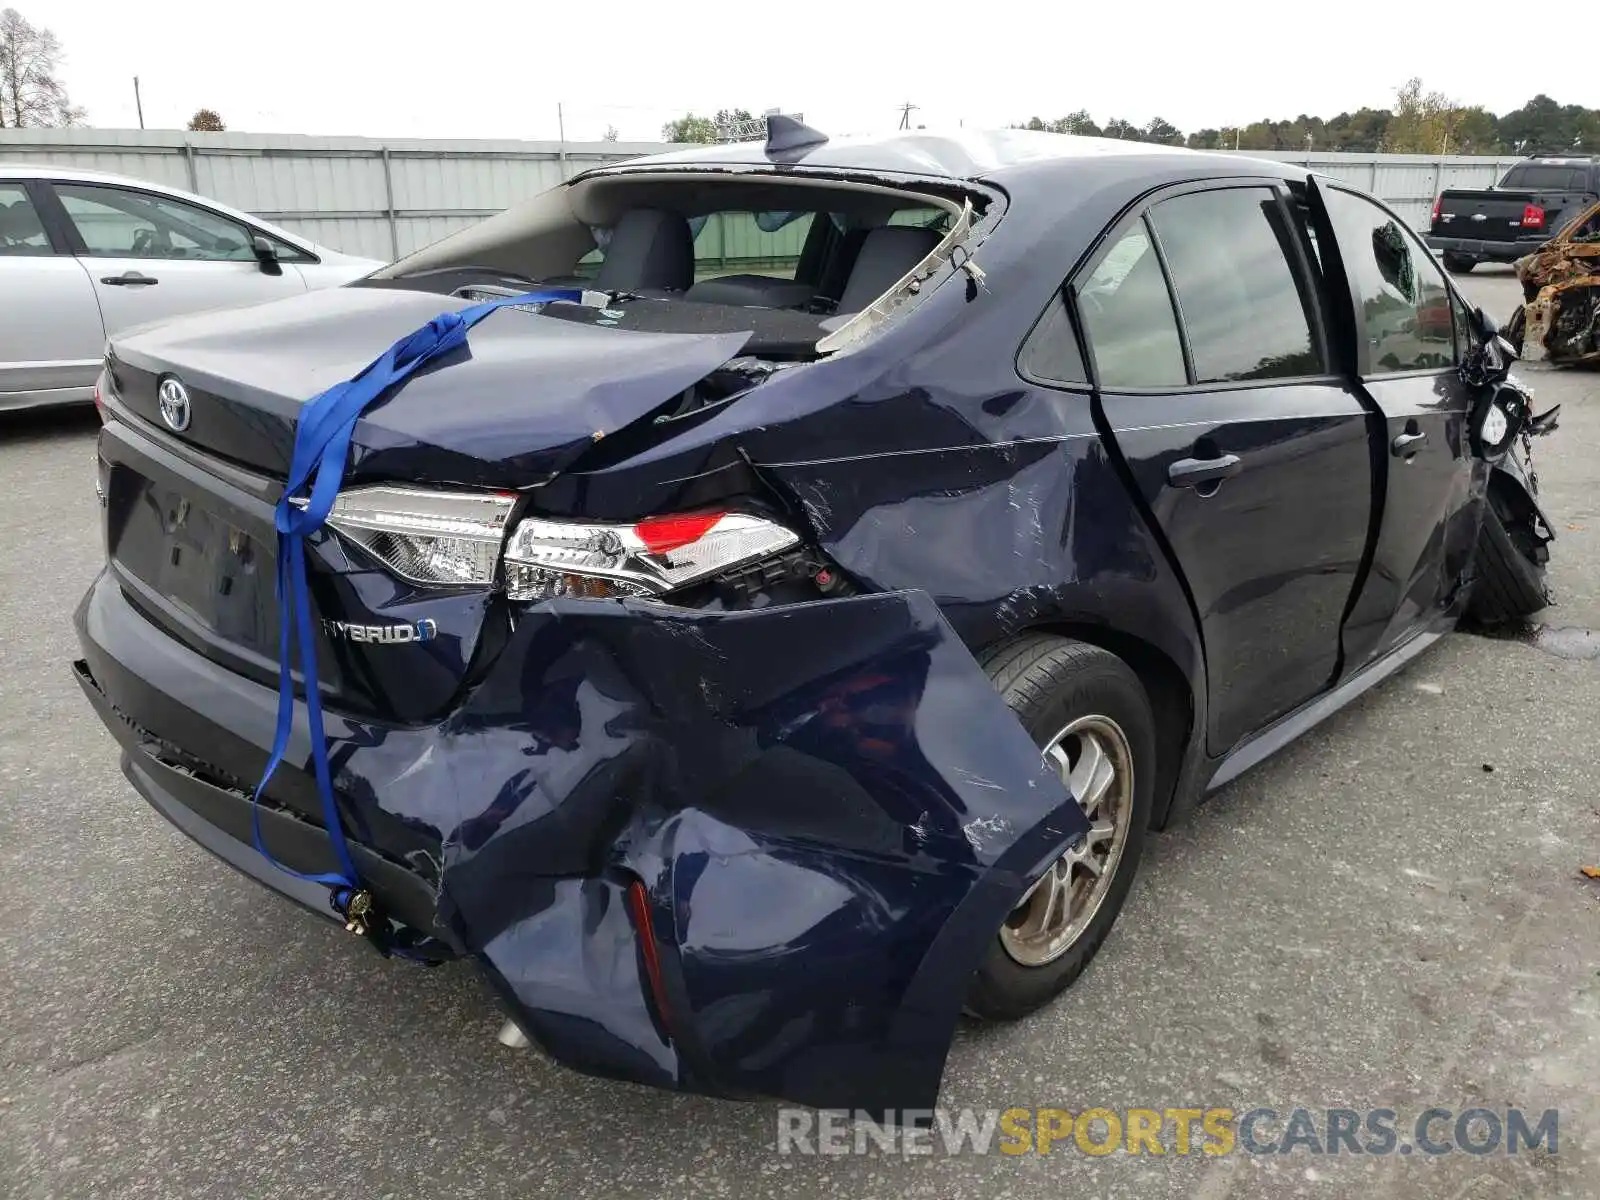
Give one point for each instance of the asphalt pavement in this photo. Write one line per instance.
(1389, 914)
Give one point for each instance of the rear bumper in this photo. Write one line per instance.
(218, 817)
(1484, 251)
(829, 806)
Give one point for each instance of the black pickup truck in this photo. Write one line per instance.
(1517, 215)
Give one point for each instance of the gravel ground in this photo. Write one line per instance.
(1372, 919)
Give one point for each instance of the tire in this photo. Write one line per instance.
(1458, 264)
(1051, 683)
(1510, 563)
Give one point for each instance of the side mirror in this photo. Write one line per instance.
(266, 255)
(1484, 324)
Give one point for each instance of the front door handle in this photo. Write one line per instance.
(1405, 445)
(129, 279)
(1196, 472)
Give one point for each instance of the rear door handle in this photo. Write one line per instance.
(1195, 472)
(129, 279)
(1407, 444)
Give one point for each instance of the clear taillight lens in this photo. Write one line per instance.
(427, 537)
(545, 559)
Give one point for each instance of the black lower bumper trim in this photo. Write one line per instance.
(1482, 251)
(219, 819)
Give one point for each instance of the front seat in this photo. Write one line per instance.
(887, 253)
(649, 251)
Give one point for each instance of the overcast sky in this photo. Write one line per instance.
(491, 68)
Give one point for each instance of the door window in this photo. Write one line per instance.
(21, 231)
(116, 223)
(1128, 317)
(1240, 305)
(1402, 301)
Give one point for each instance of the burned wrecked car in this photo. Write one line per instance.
(755, 601)
(1560, 321)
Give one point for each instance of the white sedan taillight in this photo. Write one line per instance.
(455, 539)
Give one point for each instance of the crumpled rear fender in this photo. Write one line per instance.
(831, 809)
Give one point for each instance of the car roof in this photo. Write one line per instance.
(958, 155)
(74, 175)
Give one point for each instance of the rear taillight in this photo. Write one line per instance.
(1437, 202)
(427, 537)
(101, 385)
(1532, 216)
(546, 559)
(454, 539)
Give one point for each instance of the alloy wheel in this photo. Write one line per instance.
(1093, 759)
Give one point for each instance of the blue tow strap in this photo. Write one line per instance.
(316, 469)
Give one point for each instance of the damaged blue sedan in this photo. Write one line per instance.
(755, 601)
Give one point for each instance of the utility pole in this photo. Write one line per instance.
(137, 103)
(561, 130)
(906, 110)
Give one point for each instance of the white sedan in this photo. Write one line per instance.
(84, 256)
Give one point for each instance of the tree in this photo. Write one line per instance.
(738, 124)
(1477, 132)
(206, 120)
(1423, 122)
(1118, 128)
(610, 135)
(30, 93)
(1164, 132)
(1079, 122)
(690, 128)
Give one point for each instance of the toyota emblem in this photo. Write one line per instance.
(174, 404)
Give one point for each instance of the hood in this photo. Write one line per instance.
(526, 396)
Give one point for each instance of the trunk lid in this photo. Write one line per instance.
(526, 397)
(189, 530)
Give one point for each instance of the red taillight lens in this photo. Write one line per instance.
(661, 534)
(99, 403)
(1532, 216)
(1437, 202)
(644, 929)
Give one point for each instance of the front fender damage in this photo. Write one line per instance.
(829, 806)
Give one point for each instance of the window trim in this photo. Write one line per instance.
(1363, 364)
(79, 248)
(1310, 286)
(1090, 362)
(60, 245)
(1021, 363)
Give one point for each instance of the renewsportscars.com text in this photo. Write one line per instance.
(1213, 1131)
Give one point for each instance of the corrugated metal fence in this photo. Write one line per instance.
(377, 198)
(387, 198)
